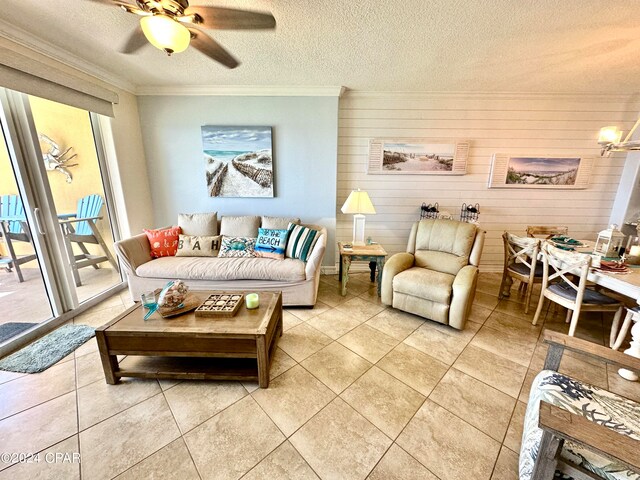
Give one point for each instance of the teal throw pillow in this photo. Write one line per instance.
(301, 241)
(271, 243)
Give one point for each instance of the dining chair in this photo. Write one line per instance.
(85, 231)
(521, 263)
(545, 231)
(14, 228)
(566, 268)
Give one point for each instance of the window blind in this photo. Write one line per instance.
(27, 75)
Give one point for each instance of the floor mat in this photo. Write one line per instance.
(11, 329)
(46, 351)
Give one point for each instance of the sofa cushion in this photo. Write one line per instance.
(216, 268)
(201, 224)
(423, 283)
(245, 226)
(163, 241)
(271, 243)
(278, 223)
(198, 246)
(240, 247)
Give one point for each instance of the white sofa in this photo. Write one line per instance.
(297, 280)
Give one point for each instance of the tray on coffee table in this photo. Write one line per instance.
(220, 304)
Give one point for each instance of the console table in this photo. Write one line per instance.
(374, 254)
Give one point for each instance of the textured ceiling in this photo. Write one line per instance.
(571, 46)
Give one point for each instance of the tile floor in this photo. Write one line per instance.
(357, 391)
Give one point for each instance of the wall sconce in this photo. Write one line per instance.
(609, 140)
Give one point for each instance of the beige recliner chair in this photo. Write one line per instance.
(437, 277)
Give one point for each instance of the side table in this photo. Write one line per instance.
(374, 254)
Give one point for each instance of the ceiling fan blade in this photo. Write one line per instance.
(230, 19)
(207, 45)
(135, 42)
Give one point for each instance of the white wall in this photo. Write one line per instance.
(501, 123)
(304, 152)
(127, 166)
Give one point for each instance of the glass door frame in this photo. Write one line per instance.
(23, 148)
(21, 143)
(109, 204)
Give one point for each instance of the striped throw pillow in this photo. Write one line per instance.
(301, 241)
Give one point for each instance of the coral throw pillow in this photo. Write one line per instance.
(164, 241)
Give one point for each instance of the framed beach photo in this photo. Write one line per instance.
(415, 156)
(522, 171)
(238, 161)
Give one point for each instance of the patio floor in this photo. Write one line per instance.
(28, 302)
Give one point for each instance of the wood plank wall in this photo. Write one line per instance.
(500, 123)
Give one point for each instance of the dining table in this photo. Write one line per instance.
(627, 284)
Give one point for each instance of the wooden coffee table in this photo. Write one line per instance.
(190, 347)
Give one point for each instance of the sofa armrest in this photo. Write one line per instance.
(464, 289)
(134, 251)
(314, 262)
(392, 267)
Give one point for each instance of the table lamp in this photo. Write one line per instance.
(358, 203)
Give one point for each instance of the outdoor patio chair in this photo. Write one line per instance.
(80, 228)
(14, 228)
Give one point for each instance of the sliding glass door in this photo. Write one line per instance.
(24, 300)
(57, 229)
(77, 184)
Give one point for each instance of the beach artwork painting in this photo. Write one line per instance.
(529, 171)
(238, 161)
(418, 157)
(542, 171)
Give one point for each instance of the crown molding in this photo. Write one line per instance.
(243, 90)
(593, 96)
(48, 49)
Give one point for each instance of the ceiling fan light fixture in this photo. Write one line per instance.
(164, 33)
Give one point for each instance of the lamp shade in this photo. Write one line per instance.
(165, 33)
(358, 202)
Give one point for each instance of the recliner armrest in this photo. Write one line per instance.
(396, 264)
(464, 287)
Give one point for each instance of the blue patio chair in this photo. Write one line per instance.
(14, 228)
(80, 228)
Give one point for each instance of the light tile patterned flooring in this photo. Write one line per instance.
(357, 391)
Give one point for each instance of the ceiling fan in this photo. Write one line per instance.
(172, 25)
